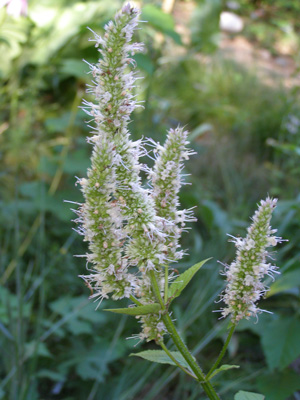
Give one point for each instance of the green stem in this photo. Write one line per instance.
(134, 300)
(222, 353)
(207, 387)
(166, 283)
(163, 346)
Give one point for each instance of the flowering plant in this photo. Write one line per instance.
(132, 232)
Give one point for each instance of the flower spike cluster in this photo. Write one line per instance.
(130, 230)
(245, 274)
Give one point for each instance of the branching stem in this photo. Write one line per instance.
(166, 350)
(182, 348)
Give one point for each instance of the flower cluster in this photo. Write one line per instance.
(130, 230)
(245, 274)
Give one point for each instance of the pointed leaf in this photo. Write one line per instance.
(139, 310)
(241, 395)
(159, 356)
(224, 367)
(181, 282)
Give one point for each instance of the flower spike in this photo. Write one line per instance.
(245, 274)
(167, 180)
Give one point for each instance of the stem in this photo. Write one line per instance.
(175, 361)
(166, 283)
(134, 300)
(222, 353)
(207, 387)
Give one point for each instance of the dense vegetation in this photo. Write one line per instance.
(246, 133)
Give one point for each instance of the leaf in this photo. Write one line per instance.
(200, 130)
(241, 395)
(53, 376)
(285, 147)
(2, 394)
(279, 386)
(57, 25)
(34, 348)
(285, 282)
(224, 367)
(159, 356)
(77, 327)
(144, 62)
(76, 162)
(13, 34)
(181, 282)
(281, 343)
(215, 217)
(204, 25)
(161, 21)
(73, 67)
(92, 363)
(139, 310)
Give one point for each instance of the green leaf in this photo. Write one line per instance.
(77, 327)
(76, 162)
(181, 282)
(280, 385)
(92, 363)
(73, 67)
(2, 394)
(53, 376)
(161, 21)
(139, 310)
(281, 343)
(200, 130)
(34, 348)
(61, 24)
(204, 25)
(159, 356)
(144, 62)
(224, 367)
(241, 395)
(285, 282)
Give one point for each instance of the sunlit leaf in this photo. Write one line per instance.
(285, 282)
(139, 310)
(161, 21)
(159, 356)
(36, 348)
(241, 395)
(224, 367)
(183, 279)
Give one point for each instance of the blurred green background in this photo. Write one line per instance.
(237, 90)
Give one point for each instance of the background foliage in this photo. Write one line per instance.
(246, 133)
